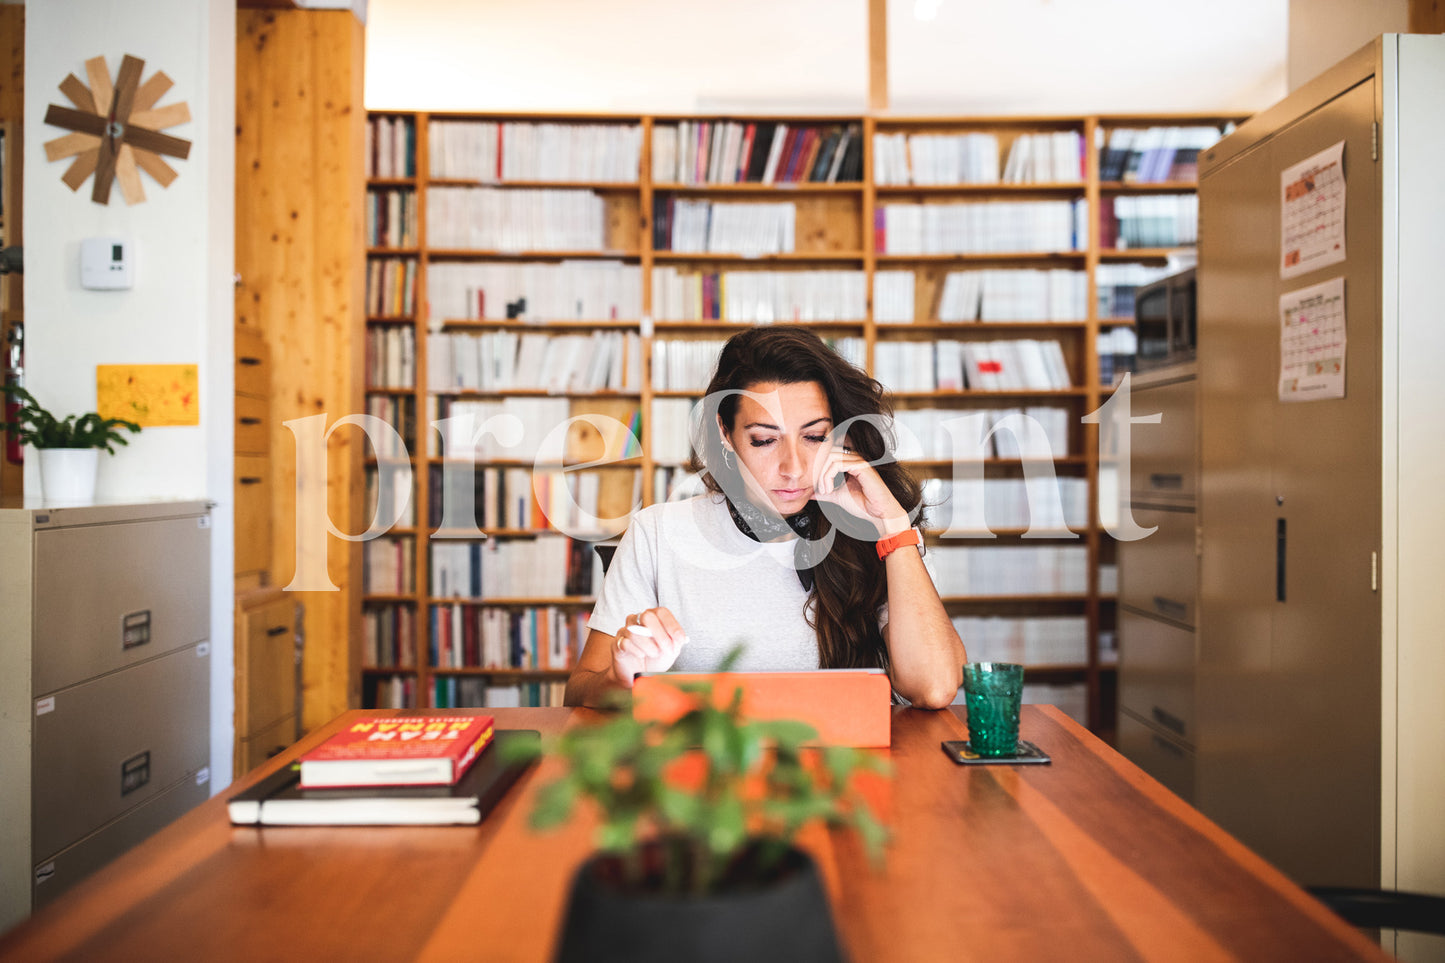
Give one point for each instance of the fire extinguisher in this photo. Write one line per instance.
(14, 375)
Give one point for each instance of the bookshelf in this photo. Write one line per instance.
(940, 253)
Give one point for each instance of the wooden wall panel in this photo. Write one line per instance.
(299, 247)
(1427, 16)
(12, 110)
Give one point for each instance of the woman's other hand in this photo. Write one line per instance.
(647, 642)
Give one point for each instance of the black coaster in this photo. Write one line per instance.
(1028, 754)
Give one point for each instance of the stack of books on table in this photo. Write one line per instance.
(390, 770)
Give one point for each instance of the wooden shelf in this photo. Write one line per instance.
(829, 215)
(473, 324)
(977, 393)
(1142, 253)
(763, 258)
(375, 390)
(1041, 187)
(634, 461)
(992, 327)
(559, 601)
(536, 185)
(982, 258)
(1156, 187)
(673, 327)
(388, 670)
(530, 393)
(752, 187)
(480, 254)
(470, 670)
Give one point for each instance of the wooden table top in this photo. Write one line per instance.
(1085, 859)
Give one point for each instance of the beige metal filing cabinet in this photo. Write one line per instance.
(105, 669)
(1320, 610)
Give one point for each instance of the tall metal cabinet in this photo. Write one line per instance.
(105, 667)
(1321, 622)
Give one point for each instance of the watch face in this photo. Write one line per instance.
(115, 129)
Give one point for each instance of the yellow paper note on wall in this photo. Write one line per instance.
(149, 394)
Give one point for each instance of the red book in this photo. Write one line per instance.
(398, 751)
(745, 155)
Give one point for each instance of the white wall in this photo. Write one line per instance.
(1324, 32)
(975, 56)
(180, 309)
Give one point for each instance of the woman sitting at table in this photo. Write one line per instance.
(803, 550)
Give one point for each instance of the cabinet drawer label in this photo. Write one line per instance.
(42, 706)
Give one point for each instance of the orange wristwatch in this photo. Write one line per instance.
(886, 546)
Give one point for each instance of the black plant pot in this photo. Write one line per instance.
(784, 920)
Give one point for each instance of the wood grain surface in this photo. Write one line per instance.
(1084, 859)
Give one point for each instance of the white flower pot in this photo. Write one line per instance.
(67, 475)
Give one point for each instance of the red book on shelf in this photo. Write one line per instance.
(745, 155)
(398, 751)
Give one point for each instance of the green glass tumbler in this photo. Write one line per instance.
(992, 691)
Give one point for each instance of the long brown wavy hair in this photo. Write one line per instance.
(849, 583)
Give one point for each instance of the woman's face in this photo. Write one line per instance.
(776, 437)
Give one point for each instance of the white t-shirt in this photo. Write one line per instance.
(724, 588)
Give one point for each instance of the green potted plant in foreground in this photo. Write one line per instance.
(699, 815)
(69, 448)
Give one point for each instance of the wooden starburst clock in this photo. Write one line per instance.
(115, 130)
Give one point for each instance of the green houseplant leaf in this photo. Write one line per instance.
(37, 427)
(723, 797)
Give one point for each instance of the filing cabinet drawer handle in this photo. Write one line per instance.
(1169, 608)
(247, 360)
(275, 630)
(249, 480)
(1166, 480)
(1167, 746)
(1168, 720)
(250, 421)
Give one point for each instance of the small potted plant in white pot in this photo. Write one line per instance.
(69, 448)
(696, 858)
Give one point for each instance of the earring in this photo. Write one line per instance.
(727, 458)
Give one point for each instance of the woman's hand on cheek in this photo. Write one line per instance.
(848, 481)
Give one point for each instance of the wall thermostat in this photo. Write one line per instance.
(106, 263)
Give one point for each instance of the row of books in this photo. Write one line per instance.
(1154, 155)
(758, 297)
(1021, 364)
(1010, 570)
(1116, 284)
(993, 295)
(975, 506)
(1072, 698)
(484, 637)
(391, 218)
(388, 565)
(1149, 220)
(732, 152)
(1117, 349)
(390, 356)
(497, 219)
(973, 158)
(508, 360)
(543, 566)
(390, 147)
(981, 227)
(460, 692)
(684, 365)
(715, 227)
(398, 411)
(1058, 640)
(493, 153)
(565, 291)
(388, 495)
(934, 434)
(388, 692)
(390, 287)
(462, 496)
(388, 635)
(520, 429)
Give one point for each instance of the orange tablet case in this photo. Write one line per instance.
(848, 707)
